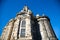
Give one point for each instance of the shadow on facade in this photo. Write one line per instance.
(35, 31)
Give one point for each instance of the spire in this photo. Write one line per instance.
(25, 8)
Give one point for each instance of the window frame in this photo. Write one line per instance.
(22, 34)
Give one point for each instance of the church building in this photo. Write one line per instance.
(26, 26)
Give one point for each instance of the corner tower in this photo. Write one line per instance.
(46, 30)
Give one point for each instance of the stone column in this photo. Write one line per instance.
(15, 30)
(28, 28)
(43, 30)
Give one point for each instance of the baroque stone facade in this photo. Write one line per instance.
(26, 26)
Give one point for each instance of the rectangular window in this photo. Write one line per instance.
(22, 33)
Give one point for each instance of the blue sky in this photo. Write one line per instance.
(51, 8)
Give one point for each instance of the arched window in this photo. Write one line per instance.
(23, 23)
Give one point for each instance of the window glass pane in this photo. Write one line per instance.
(23, 23)
(22, 33)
